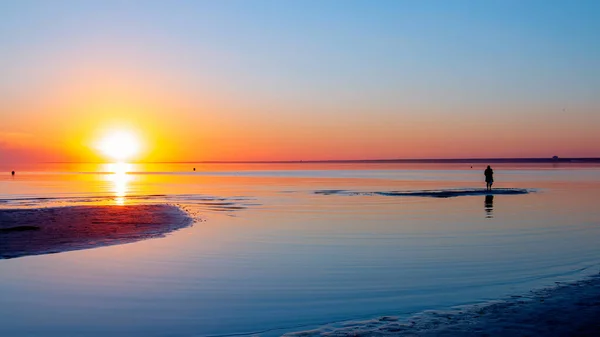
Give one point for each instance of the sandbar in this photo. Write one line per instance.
(449, 193)
(38, 231)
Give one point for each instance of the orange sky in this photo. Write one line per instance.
(66, 123)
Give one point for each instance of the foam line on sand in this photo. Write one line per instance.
(568, 309)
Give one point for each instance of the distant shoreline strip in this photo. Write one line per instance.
(374, 161)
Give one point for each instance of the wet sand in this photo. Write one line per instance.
(569, 309)
(52, 230)
(449, 193)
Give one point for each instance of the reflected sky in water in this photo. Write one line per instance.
(267, 252)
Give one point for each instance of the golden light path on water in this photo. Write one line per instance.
(118, 175)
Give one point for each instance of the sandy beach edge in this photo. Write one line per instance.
(567, 309)
(37, 231)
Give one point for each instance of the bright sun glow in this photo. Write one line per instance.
(119, 145)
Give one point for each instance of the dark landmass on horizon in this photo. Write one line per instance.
(366, 161)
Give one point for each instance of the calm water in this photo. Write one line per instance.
(268, 255)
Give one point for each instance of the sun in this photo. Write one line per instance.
(119, 145)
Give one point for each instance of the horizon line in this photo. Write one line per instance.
(385, 160)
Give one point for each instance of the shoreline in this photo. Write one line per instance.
(567, 309)
(37, 231)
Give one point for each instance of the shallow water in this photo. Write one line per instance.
(268, 254)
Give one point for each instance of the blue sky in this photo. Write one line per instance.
(549, 46)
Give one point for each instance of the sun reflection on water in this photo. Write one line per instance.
(120, 180)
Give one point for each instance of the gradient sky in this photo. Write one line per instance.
(300, 80)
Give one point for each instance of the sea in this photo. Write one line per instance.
(277, 248)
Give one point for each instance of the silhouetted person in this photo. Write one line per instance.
(489, 178)
(12, 173)
(489, 206)
(194, 169)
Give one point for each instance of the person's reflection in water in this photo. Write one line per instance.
(489, 206)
